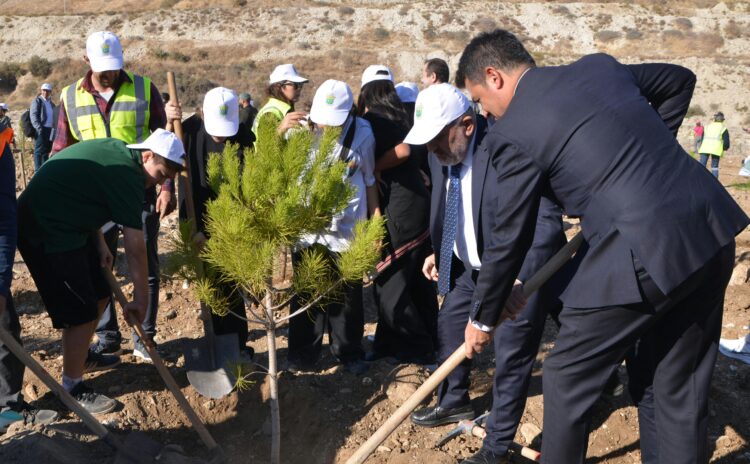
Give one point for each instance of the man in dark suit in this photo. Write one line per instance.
(446, 123)
(659, 233)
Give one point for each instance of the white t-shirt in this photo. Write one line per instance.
(361, 174)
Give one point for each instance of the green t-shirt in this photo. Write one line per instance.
(79, 190)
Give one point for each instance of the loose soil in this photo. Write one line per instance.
(326, 415)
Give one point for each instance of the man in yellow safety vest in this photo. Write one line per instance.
(715, 142)
(111, 102)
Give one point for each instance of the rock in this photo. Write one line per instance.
(210, 404)
(402, 382)
(723, 442)
(171, 314)
(31, 392)
(366, 381)
(383, 449)
(740, 274)
(530, 432)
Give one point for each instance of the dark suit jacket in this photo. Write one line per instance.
(599, 136)
(548, 237)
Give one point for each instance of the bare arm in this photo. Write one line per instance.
(373, 203)
(135, 251)
(393, 157)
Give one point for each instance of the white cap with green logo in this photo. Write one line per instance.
(332, 103)
(221, 112)
(436, 107)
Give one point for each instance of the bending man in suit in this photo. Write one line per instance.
(659, 237)
(445, 121)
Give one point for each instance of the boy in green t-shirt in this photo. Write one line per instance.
(59, 217)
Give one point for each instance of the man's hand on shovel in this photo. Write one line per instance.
(476, 339)
(134, 313)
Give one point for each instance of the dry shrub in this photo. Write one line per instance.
(734, 30)
(676, 43)
(633, 34)
(607, 36)
(484, 24)
(345, 10)
(695, 110)
(683, 24)
(381, 33)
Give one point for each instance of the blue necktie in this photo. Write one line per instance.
(450, 223)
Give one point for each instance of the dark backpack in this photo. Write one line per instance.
(26, 126)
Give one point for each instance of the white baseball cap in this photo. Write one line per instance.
(376, 72)
(104, 51)
(332, 103)
(286, 72)
(46, 86)
(407, 91)
(436, 107)
(4, 106)
(164, 144)
(221, 112)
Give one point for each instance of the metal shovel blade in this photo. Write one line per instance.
(209, 365)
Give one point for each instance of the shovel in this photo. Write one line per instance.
(138, 448)
(531, 285)
(170, 382)
(208, 361)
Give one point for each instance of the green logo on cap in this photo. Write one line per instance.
(418, 112)
(329, 99)
(223, 110)
(105, 48)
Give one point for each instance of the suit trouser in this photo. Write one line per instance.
(230, 324)
(42, 147)
(343, 319)
(407, 309)
(515, 343)
(670, 371)
(108, 331)
(11, 368)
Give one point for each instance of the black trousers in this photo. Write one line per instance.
(231, 324)
(11, 368)
(343, 319)
(108, 331)
(676, 340)
(407, 309)
(515, 343)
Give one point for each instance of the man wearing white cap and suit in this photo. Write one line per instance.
(343, 320)
(111, 102)
(461, 221)
(220, 125)
(40, 114)
(60, 214)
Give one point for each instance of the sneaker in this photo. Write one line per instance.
(100, 362)
(614, 388)
(29, 415)
(95, 403)
(106, 348)
(738, 349)
(139, 351)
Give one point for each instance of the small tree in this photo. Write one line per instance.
(285, 189)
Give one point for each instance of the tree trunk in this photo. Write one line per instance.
(273, 387)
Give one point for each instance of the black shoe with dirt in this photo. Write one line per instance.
(485, 456)
(93, 402)
(100, 362)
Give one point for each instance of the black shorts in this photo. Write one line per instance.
(70, 283)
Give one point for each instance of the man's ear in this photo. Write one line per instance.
(493, 78)
(86, 59)
(469, 125)
(147, 155)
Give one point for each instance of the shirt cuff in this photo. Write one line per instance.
(168, 185)
(480, 326)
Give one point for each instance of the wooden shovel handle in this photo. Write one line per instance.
(432, 382)
(163, 371)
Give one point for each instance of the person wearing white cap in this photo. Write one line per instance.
(407, 303)
(111, 102)
(445, 121)
(220, 124)
(40, 114)
(332, 107)
(284, 90)
(60, 214)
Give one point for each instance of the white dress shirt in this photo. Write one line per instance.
(465, 246)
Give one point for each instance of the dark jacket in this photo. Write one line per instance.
(548, 236)
(599, 137)
(38, 113)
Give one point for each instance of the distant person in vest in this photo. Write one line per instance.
(715, 142)
(111, 102)
(247, 110)
(284, 89)
(41, 118)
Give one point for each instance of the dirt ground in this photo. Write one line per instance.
(327, 415)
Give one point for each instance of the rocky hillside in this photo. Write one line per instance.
(236, 43)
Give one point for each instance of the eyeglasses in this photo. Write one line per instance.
(296, 85)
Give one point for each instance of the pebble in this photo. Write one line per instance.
(383, 449)
(366, 381)
(113, 423)
(171, 314)
(723, 442)
(31, 392)
(210, 404)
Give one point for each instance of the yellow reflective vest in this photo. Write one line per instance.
(713, 139)
(273, 106)
(128, 117)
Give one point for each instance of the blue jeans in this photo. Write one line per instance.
(108, 331)
(42, 147)
(714, 163)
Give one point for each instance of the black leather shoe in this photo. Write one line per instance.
(485, 456)
(432, 417)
